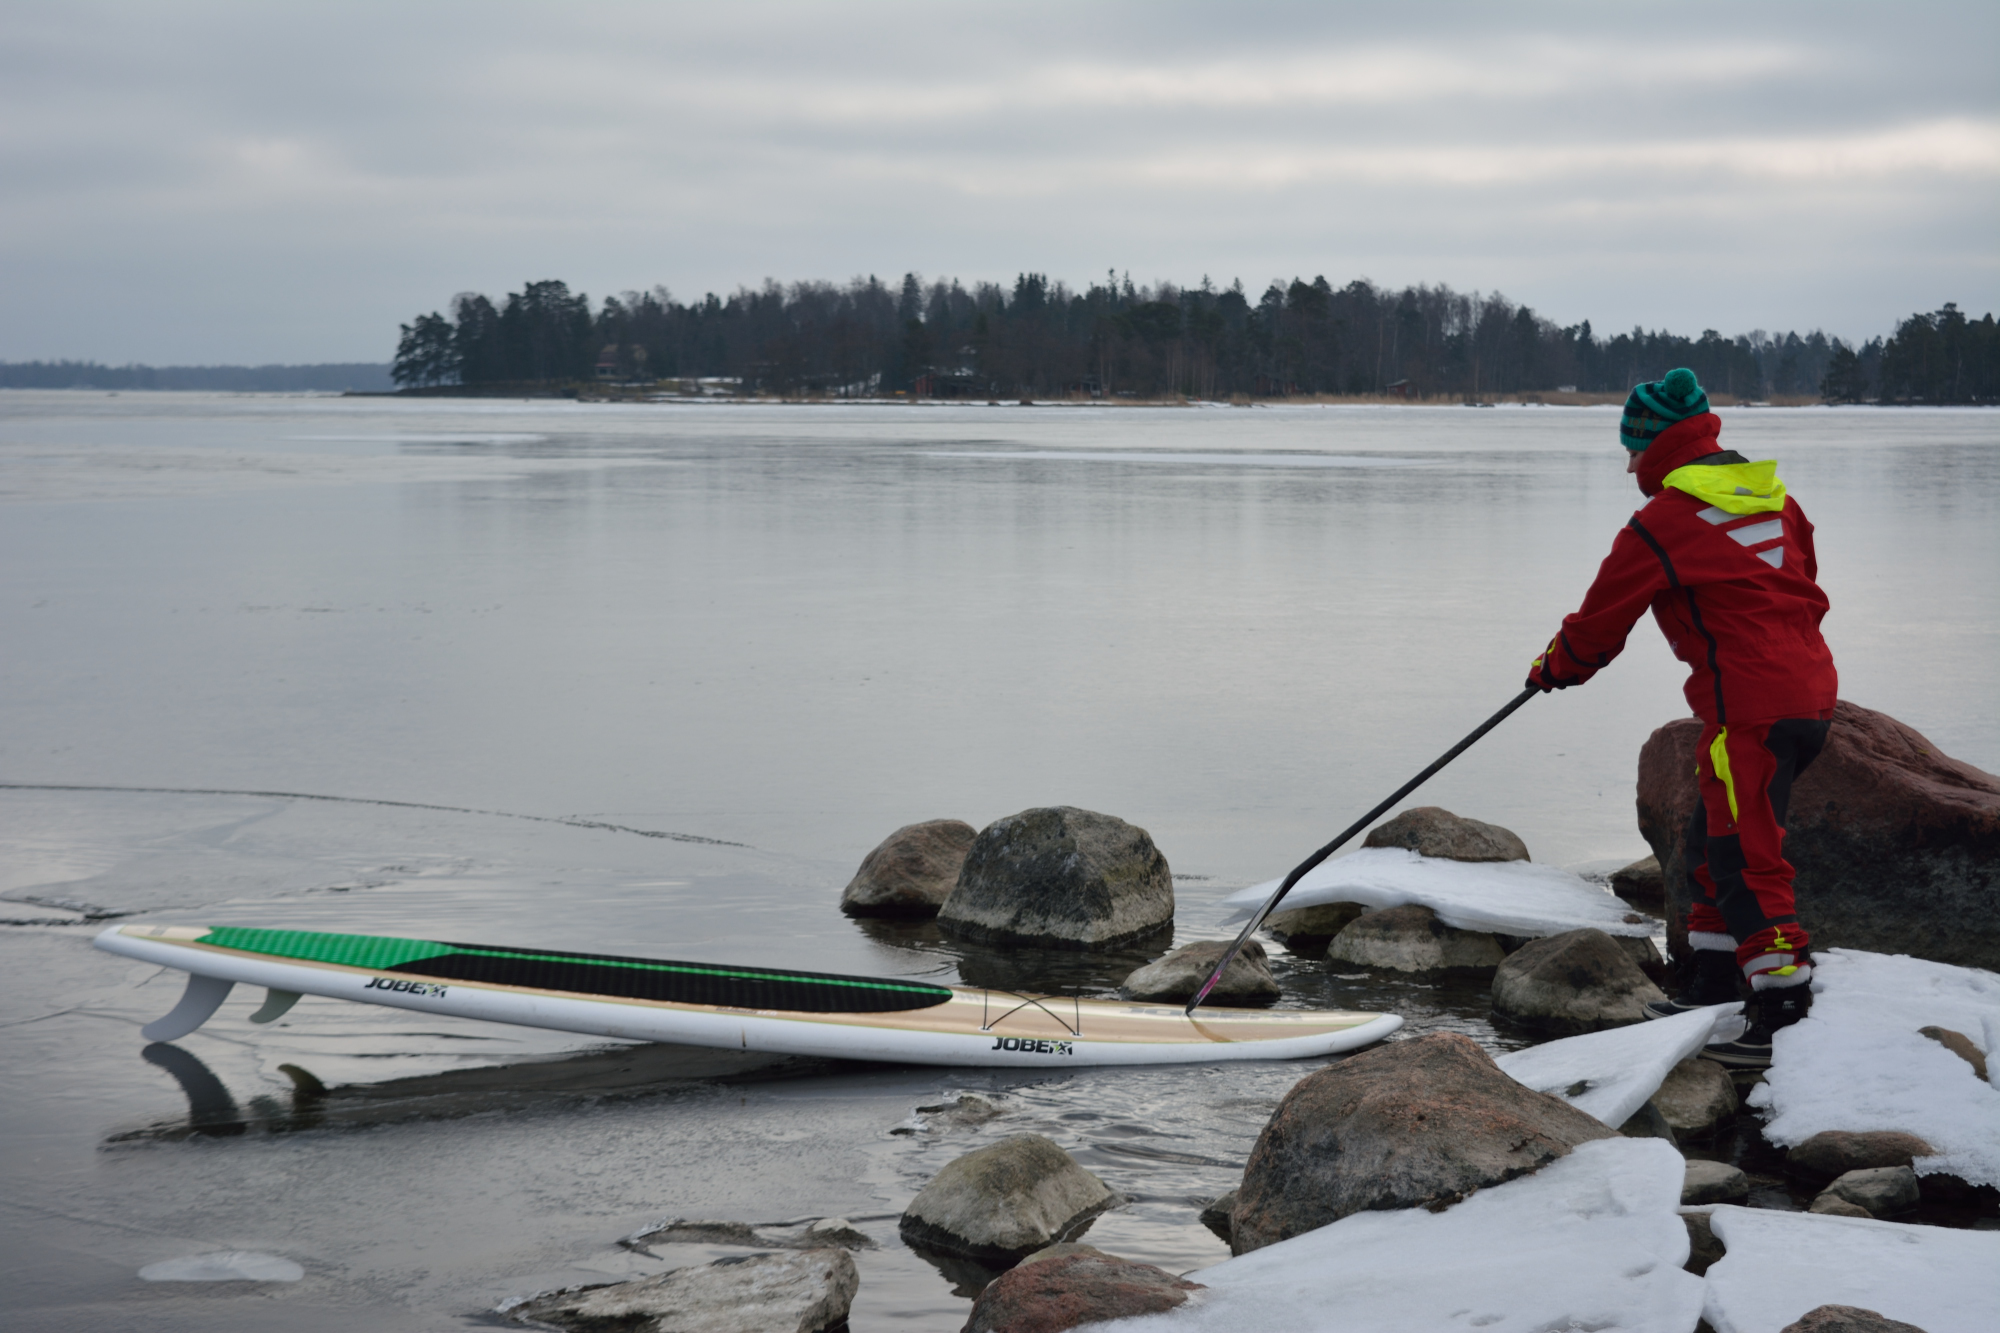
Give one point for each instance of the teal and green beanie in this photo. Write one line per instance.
(1658, 404)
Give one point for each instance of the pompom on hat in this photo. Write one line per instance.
(1658, 404)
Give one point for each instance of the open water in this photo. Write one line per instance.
(790, 630)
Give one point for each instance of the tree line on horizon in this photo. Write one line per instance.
(324, 377)
(1042, 338)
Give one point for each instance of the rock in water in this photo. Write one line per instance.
(1070, 1285)
(1412, 939)
(798, 1291)
(1061, 878)
(1179, 975)
(1414, 1123)
(1428, 830)
(1896, 845)
(1883, 1190)
(1004, 1202)
(1216, 1216)
(1713, 1182)
(912, 872)
(1306, 931)
(1641, 883)
(1697, 1096)
(1835, 1152)
(1579, 981)
(1846, 1319)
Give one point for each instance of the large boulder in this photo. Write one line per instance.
(1412, 939)
(1306, 931)
(1067, 1285)
(1061, 878)
(1419, 1123)
(1896, 845)
(798, 1291)
(912, 872)
(1696, 1097)
(1428, 830)
(1247, 979)
(1578, 981)
(1003, 1202)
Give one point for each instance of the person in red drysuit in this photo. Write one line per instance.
(1724, 558)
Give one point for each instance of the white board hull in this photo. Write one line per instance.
(976, 1028)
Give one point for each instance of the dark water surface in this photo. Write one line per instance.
(793, 629)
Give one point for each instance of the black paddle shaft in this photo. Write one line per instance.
(1250, 927)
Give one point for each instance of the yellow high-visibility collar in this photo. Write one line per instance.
(1738, 488)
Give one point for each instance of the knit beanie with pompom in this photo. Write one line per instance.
(1658, 404)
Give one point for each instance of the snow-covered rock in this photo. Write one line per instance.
(1611, 1074)
(1590, 1241)
(1860, 1061)
(1505, 897)
(1412, 939)
(1778, 1266)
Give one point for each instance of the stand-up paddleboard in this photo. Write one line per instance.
(704, 1004)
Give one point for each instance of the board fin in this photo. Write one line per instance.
(203, 996)
(277, 1003)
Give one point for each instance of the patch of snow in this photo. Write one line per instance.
(1611, 1074)
(1505, 897)
(1779, 1265)
(1589, 1241)
(224, 1266)
(1858, 1062)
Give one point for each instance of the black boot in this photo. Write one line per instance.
(1768, 1012)
(1710, 978)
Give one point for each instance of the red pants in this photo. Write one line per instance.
(1740, 880)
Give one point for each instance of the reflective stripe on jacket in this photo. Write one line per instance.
(1725, 560)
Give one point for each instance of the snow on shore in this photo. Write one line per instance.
(1505, 897)
(1590, 1241)
(1780, 1265)
(1615, 1071)
(1859, 1062)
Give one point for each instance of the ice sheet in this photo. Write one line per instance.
(1619, 1069)
(1858, 1061)
(1506, 897)
(1590, 1241)
(1780, 1265)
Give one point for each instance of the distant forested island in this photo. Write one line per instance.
(327, 377)
(1044, 339)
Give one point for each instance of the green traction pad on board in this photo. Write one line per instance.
(604, 976)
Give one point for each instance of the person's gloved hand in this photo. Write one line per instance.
(1542, 674)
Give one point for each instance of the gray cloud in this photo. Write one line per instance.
(251, 182)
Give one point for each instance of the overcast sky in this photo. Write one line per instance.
(198, 183)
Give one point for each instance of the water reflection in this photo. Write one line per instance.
(622, 1071)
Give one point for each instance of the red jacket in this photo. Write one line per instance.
(1725, 560)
